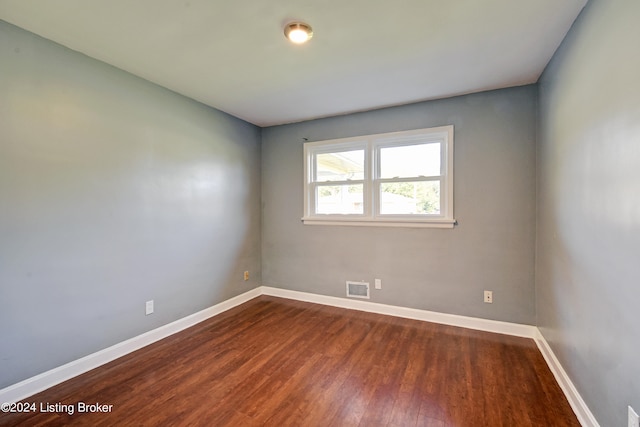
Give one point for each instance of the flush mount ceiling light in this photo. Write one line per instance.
(298, 32)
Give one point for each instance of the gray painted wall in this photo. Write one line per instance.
(433, 269)
(588, 253)
(113, 191)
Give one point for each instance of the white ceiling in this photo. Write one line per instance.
(365, 54)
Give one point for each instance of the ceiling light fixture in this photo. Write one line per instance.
(298, 32)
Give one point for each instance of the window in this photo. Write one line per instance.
(392, 179)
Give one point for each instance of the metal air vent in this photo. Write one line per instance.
(358, 290)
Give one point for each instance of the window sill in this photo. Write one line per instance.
(362, 222)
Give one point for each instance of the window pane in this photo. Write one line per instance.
(405, 198)
(340, 166)
(410, 161)
(339, 199)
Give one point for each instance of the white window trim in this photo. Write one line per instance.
(372, 144)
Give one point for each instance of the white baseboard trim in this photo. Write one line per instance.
(45, 380)
(584, 415)
(526, 331)
(38, 383)
(578, 405)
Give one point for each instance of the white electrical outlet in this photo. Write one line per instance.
(634, 420)
(378, 284)
(488, 297)
(148, 307)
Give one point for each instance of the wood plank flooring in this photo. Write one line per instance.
(277, 362)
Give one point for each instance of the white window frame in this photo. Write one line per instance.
(372, 144)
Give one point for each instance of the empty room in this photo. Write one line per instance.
(320, 213)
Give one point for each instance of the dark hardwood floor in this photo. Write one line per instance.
(277, 362)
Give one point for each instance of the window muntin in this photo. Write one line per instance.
(387, 179)
(336, 179)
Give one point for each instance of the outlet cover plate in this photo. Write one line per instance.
(488, 297)
(148, 307)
